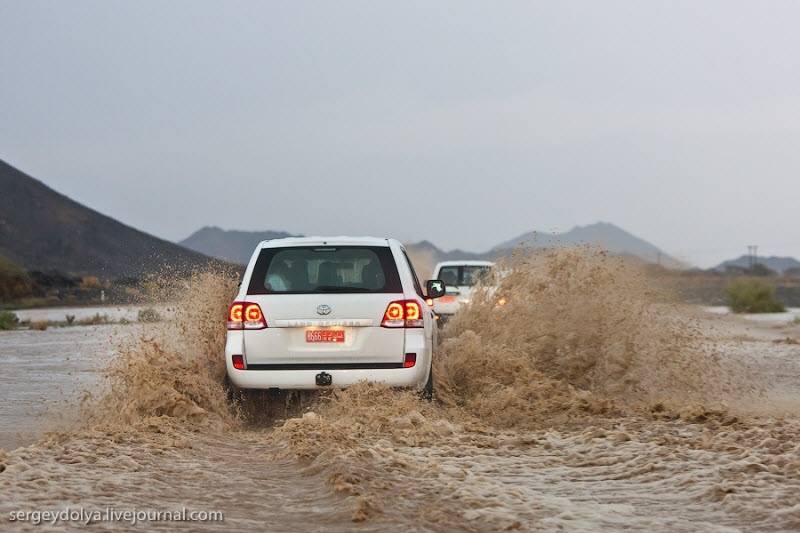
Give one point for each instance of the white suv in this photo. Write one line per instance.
(317, 312)
(459, 278)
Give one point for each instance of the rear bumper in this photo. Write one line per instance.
(414, 377)
(446, 308)
(304, 376)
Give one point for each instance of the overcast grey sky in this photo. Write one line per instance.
(463, 123)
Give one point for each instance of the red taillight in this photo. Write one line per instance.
(403, 314)
(410, 360)
(245, 315)
(238, 362)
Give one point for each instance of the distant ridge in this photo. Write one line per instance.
(237, 246)
(601, 234)
(43, 230)
(429, 248)
(774, 263)
(229, 245)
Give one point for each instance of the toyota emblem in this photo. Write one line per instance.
(323, 309)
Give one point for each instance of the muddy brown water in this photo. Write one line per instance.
(587, 403)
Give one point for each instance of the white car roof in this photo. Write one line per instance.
(466, 262)
(324, 240)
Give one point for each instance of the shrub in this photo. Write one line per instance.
(95, 320)
(14, 281)
(8, 320)
(747, 295)
(90, 282)
(149, 315)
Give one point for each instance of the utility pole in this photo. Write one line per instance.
(752, 255)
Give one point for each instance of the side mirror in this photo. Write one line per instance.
(435, 288)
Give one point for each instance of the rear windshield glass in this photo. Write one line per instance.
(325, 269)
(464, 275)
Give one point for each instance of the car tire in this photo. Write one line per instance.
(427, 391)
(233, 393)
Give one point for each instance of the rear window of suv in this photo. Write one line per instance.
(325, 269)
(464, 275)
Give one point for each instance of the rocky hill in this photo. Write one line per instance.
(779, 265)
(237, 246)
(229, 245)
(43, 230)
(49, 243)
(601, 234)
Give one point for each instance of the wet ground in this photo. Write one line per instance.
(645, 417)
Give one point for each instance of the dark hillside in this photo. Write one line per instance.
(43, 230)
(229, 245)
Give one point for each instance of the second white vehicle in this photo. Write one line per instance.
(460, 278)
(318, 312)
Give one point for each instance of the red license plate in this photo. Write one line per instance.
(447, 299)
(325, 335)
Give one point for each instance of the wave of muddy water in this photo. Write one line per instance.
(588, 402)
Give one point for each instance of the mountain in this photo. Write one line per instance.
(601, 234)
(428, 248)
(776, 264)
(237, 246)
(43, 230)
(229, 245)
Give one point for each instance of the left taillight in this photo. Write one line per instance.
(246, 315)
(403, 314)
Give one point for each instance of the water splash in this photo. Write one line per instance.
(582, 333)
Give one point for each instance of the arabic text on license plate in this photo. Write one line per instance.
(325, 335)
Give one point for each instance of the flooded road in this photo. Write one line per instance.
(40, 374)
(584, 405)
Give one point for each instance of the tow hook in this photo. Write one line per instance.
(324, 379)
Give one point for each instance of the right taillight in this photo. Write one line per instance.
(246, 315)
(403, 314)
